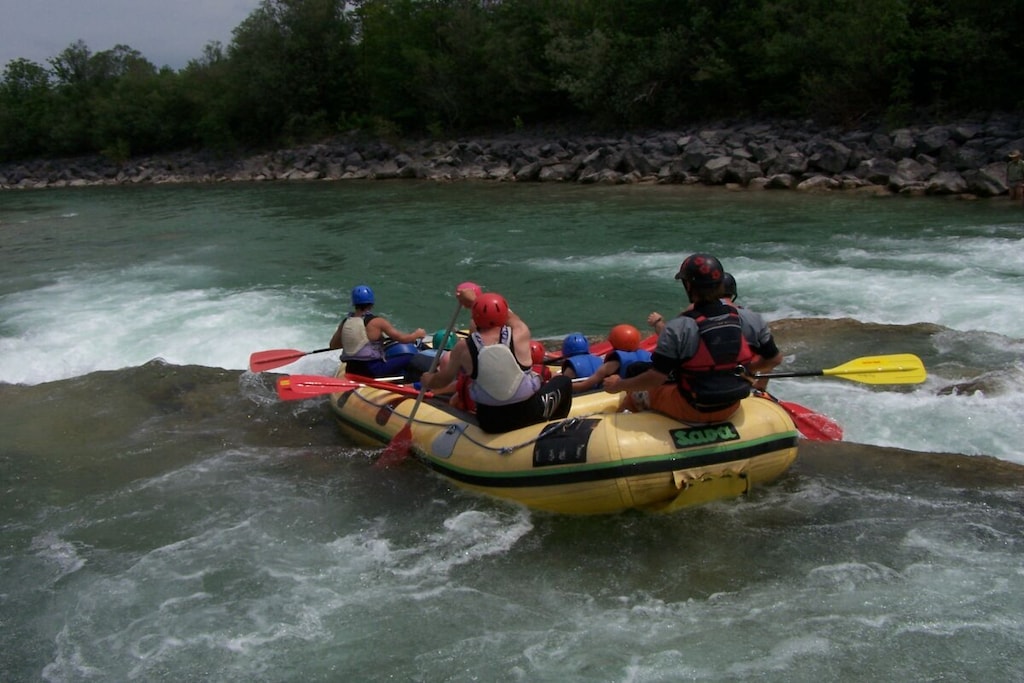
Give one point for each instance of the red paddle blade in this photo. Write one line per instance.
(818, 427)
(274, 358)
(812, 425)
(397, 449)
(286, 394)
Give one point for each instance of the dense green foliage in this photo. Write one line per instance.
(303, 69)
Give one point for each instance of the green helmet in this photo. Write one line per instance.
(440, 342)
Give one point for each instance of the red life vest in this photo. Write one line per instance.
(708, 380)
(464, 400)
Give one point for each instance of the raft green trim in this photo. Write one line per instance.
(652, 464)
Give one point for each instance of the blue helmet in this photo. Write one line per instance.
(575, 344)
(362, 295)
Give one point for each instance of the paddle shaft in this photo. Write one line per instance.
(820, 373)
(304, 386)
(434, 362)
(774, 375)
(398, 448)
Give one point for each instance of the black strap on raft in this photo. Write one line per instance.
(564, 443)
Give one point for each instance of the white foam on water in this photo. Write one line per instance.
(61, 555)
(465, 538)
(919, 419)
(259, 568)
(234, 587)
(83, 323)
(964, 284)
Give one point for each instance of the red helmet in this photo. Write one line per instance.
(701, 269)
(624, 338)
(469, 287)
(490, 310)
(537, 352)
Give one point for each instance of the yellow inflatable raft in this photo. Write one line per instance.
(595, 461)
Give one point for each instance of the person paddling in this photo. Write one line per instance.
(361, 336)
(507, 393)
(701, 348)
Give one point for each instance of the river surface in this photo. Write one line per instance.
(164, 517)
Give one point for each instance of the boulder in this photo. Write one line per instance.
(558, 172)
(789, 161)
(946, 182)
(989, 181)
(742, 171)
(829, 156)
(715, 171)
(781, 181)
(818, 183)
(877, 170)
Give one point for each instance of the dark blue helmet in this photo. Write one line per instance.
(729, 284)
(575, 344)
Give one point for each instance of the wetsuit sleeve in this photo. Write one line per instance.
(676, 342)
(758, 334)
(768, 349)
(664, 364)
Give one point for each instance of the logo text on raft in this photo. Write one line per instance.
(699, 436)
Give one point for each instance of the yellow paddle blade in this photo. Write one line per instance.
(899, 368)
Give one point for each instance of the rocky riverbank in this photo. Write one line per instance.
(967, 158)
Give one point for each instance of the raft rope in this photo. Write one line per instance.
(562, 425)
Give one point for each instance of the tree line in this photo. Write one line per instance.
(299, 70)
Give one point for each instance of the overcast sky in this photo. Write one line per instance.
(166, 32)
